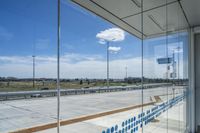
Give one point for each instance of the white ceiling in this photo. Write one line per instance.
(192, 11)
(126, 14)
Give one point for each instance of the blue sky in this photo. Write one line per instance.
(29, 27)
(29, 23)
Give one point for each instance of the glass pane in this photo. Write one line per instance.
(155, 69)
(111, 80)
(177, 49)
(27, 63)
(100, 73)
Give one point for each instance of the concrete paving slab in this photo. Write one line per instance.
(172, 124)
(25, 113)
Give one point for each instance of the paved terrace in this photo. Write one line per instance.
(19, 114)
(172, 120)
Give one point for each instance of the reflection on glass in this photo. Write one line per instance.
(27, 63)
(103, 62)
(111, 81)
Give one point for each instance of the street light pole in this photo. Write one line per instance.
(108, 64)
(33, 71)
(174, 68)
(173, 74)
(126, 72)
(178, 49)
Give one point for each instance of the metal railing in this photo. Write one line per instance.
(50, 93)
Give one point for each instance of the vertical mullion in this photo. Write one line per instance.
(142, 80)
(166, 19)
(58, 68)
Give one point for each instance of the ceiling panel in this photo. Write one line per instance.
(154, 21)
(172, 16)
(152, 24)
(87, 4)
(134, 21)
(149, 4)
(120, 8)
(192, 11)
(176, 18)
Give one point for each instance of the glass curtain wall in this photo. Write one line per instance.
(110, 81)
(178, 51)
(164, 57)
(101, 63)
(154, 25)
(27, 63)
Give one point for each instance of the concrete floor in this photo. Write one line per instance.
(174, 124)
(21, 114)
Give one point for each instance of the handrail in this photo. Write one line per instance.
(47, 93)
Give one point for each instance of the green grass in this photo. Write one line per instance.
(28, 85)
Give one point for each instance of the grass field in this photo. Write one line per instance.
(28, 85)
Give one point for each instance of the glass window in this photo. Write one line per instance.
(27, 63)
(93, 66)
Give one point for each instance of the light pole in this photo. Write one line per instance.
(33, 71)
(178, 50)
(126, 72)
(174, 67)
(107, 36)
(108, 65)
(173, 73)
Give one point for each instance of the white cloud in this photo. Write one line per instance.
(73, 57)
(15, 59)
(101, 41)
(25, 59)
(69, 58)
(114, 49)
(112, 34)
(87, 66)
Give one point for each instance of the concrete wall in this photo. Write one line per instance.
(197, 78)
